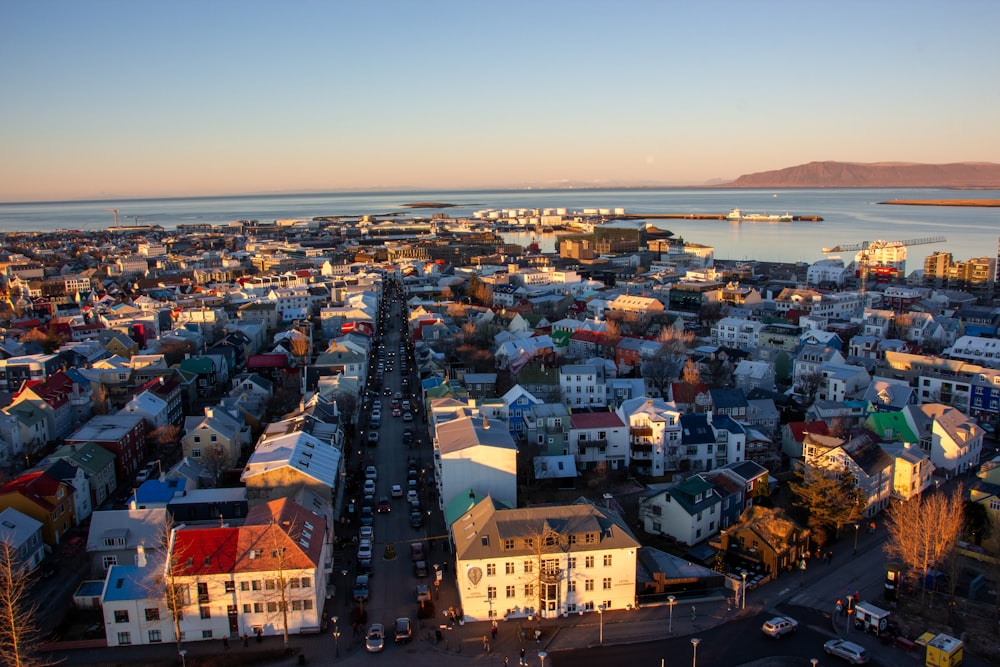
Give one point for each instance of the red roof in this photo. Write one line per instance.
(35, 486)
(54, 390)
(595, 420)
(685, 392)
(799, 429)
(205, 550)
(276, 360)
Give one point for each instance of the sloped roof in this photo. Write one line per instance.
(864, 450)
(204, 551)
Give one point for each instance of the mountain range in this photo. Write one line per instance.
(973, 175)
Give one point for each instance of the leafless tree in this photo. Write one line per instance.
(829, 495)
(807, 385)
(691, 373)
(923, 532)
(18, 616)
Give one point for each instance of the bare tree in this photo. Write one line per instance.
(807, 385)
(165, 437)
(298, 345)
(18, 616)
(691, 374)
(923, 532)
(829, 495)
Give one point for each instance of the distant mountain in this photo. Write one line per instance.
(875, 175)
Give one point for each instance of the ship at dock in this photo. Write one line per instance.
(738, 215)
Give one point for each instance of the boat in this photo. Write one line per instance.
(737, 215)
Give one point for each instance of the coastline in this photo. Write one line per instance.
(980, 203)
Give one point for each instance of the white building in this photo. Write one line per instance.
(545, 561)
(583, 385)
(470, 454)
(654, 428)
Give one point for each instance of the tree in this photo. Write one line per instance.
(18, 616)
(692, 374)
(298, 345)
(807, 385)
(165, 437)
(923, 532)
(829, 495)
(782, 368)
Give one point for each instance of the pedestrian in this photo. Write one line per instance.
(830, 556)
(260, 634)
(486, 644)
(225, 642)
(522, 661)
(506, 661)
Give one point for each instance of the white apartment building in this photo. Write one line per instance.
(736, 332)
(654, 428)
(542, 561)
(583, 385)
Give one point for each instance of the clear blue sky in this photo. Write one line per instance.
(147, 98)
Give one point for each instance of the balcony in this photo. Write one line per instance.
(641, 431)
(646, 448)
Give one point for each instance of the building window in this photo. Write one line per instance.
(296, 605)
(258, 607)
(306, 582)
(246, 607)
(230, 586)
(203, 594)
(509, 566)
(588, 585)
(607, 560)
(571, 563)
(529, 590)
(124, 639)
(511, 590)
(206, 634)
(491, 593)
(590, 538)
(108, 561)
(154, 637)
(206, 611)
(256, 584)
(528, 567)
(491, 569)
(153, 614)
(272, 607)
(196, 453)
(270, 584)
(571, 586)
(607, 583)
(588, 561)
(121, 615)
(244, 585)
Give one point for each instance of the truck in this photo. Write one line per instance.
(942, 650)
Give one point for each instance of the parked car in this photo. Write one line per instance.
(416, 551)
(412, 496)
(397, 491)
(779, 626)
(361, 587)
(369, 486)
(407, 417)
(365, 566)
(367, 516)
(364, 549)
(849, 651)
(371, 472)
(372, 438)
(407, 437)
(416, 519)
(423, 593)
(366, 533)
(420, 568)
(404, 630)
(375, 640)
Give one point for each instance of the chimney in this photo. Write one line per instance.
(140, 556)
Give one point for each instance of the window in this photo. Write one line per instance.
(121, 615)
(256, 584)
(244, 585)
(528, 567)
(246, 607)
(154, 636)
(258, 607)
(571, 563)
(307, 605)
(509, 567)
(571, 586)
(203, 594)
(529, 590)
(293, 582)
(607, 560)
(296, 605)
(206, 634)
(607, 583)
(196, 453)
(588, 585)
(153, 614)
(491, 569)
(206, 611)
(270, 584)
(491, 593)
(108, 561)
(588, 561)
(124, 639)
(511, 590)
(590, 538)
(272, 607)
(306, 582)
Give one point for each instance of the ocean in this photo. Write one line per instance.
(849, 215)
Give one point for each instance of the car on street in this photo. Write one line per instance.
(384, 506)
(416, 551)
(404, 630)
(849, 651)
(366, 533)
(397, 491)
(412, 496)
(407, 437)
(396, 412)
(407, 416)
(779, 626)
(367, 516)
(369, 486)
(416, 519)
(372, 438)
(375, 639)
(365, 566)
(371, 472)
(361, 587)
(423, 593)
(420, 568)
(364, 549)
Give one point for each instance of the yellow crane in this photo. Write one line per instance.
(869, 248)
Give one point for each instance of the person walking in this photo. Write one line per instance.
(246, 640)
(522, 662)
(225, 642)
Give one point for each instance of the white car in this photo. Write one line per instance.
(370, 486)
(849, 651)
(397, 491)
(364, 549)
(375, 639)
(779, 626)
(411, 496)
(367, 533)
(371, 473)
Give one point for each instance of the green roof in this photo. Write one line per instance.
(890, 425)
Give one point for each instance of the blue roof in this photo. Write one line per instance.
(155, 491)
(695, 430)
(728, 398)
(727, 423)
(128, 582)
(432, 382)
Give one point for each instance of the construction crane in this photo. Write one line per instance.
(115, 211)
(866, 249)
(134, 217)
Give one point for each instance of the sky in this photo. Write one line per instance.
(116, 99)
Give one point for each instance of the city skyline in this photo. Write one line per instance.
(114, 99)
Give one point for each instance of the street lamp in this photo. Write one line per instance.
(183, 652)
(813, 661)
(694, 656)
(857, 529)
(600, 614)
(670, 601)
(541, 656)
(336, 636)
(744, 589)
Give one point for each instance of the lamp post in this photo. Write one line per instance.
(600, 614)
(857, 529)
(744, 589)
(541, 656)
(336, 636)
(183, 653)
(813, 661)
(670, 601)
(694, 656)
(802, 573)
